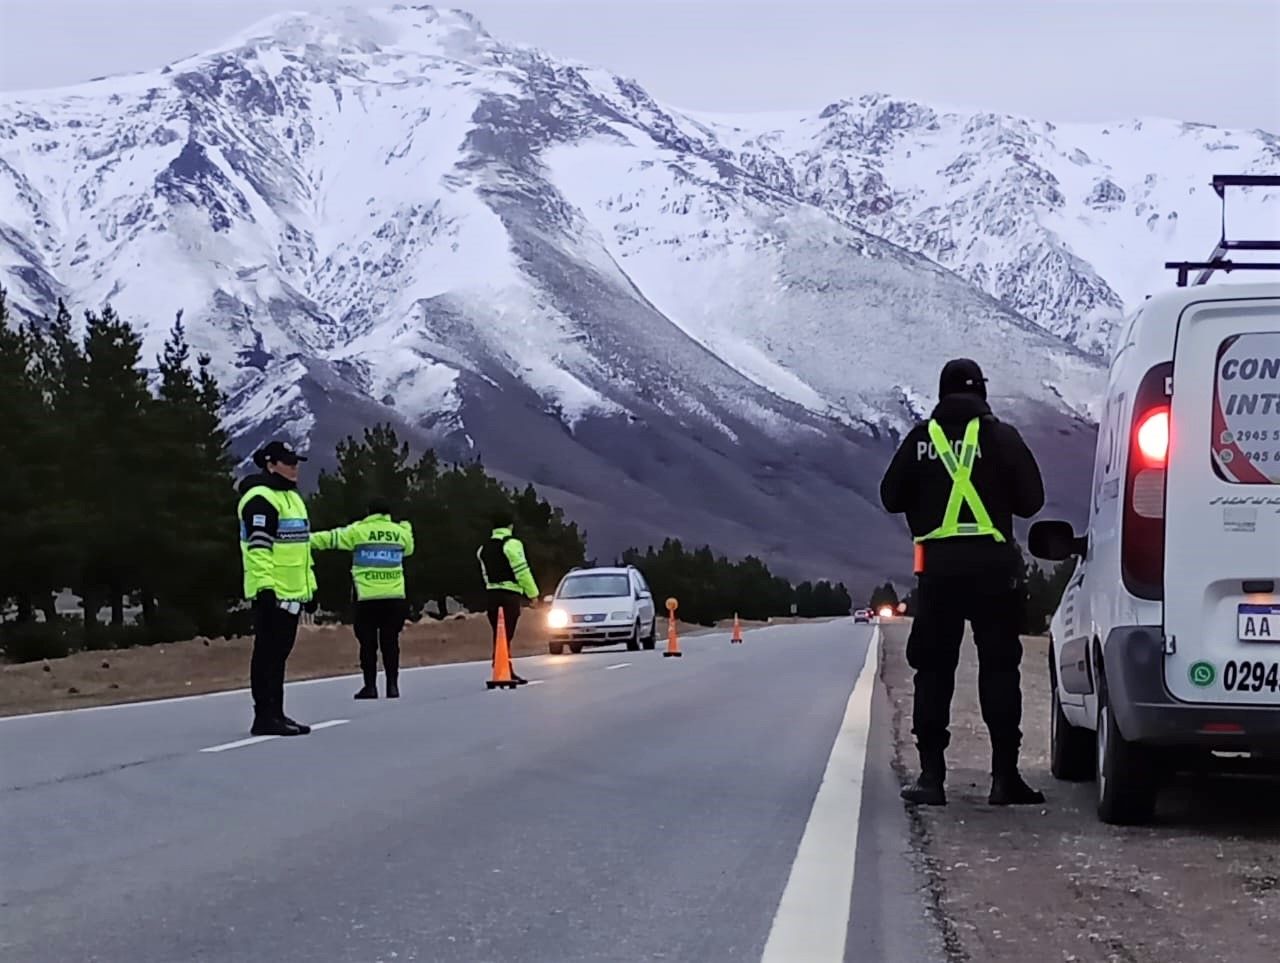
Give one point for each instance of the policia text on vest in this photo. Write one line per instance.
(378, 547)
(960, 479)
(275, 550)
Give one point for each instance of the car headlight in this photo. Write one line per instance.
(558, 619)
(620, 617)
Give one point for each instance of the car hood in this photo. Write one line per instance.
(595, 606)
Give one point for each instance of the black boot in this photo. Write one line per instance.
(301, 728)
(1007, 785)
(275, 727)
(928, 789)
(369, 691)
(1009, 789)
(393, 688)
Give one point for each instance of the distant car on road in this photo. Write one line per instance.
(1166, 646)
(601, 606)
(862, 615)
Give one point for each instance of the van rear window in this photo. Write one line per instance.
(1246, 410)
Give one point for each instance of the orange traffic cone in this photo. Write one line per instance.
(502, 675)
(673, 640)
(737, 630)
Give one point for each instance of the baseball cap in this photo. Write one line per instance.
(962, 376)
(276, 451)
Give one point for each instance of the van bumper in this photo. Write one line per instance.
(1145, 711)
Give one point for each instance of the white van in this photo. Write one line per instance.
(1165, 648)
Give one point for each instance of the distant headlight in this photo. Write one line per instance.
(620, 617)
(558, 619)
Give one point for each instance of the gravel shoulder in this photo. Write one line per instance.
(1052, 883)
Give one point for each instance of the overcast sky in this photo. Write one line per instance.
(1205, 60)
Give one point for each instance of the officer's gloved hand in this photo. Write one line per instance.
(266, 599)
(310, 607)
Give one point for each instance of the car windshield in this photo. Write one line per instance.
(595, 587)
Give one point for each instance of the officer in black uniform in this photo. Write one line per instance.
(960, 478)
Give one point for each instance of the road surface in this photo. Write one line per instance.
(625, 807)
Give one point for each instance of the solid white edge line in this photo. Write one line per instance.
(812, 921)
(289, 686)
(254, 740)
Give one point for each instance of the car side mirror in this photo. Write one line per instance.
(1056, 541)
(548, 599)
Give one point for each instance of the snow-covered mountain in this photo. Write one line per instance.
(1067, 224)
(672, 324)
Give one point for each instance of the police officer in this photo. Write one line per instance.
(508, 580)
(275, 549)
(960, 479)
(378, 547)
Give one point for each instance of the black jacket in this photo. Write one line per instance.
(1005, 474)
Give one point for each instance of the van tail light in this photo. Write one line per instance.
(1153, 437)
(1142, 538)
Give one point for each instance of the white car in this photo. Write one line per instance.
(601, 606)
(1165, 648)
(862, 615)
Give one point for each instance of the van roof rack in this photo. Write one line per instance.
(1218, 260)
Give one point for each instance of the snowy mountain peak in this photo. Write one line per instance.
(390, 215)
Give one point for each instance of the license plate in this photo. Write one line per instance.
(1259, 623)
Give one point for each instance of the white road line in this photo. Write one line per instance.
(289, 687)
(812, 921)
(330, 724)
(620, 665)
(254, 740)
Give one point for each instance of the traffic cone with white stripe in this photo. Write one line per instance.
(737, 630)
(673, 638)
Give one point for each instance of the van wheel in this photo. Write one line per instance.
(575, 648)
(555, 648)
(652, 638)
(1126, 773)
(633, 643)
(1071, 749)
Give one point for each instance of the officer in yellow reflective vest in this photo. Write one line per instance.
(508, 579)
(378, 547)
(960, 479)
(275, 548)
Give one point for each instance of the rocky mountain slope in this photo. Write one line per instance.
(672, 324)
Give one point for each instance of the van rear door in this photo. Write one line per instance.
(1222, 505)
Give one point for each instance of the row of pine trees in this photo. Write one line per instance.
(121, 488)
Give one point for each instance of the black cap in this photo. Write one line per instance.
(276, 451)
(962, 377)
(379, 505)
(501, 519)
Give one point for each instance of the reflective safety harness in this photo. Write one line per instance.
(962, 490)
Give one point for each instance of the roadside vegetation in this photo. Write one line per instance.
(120, 487)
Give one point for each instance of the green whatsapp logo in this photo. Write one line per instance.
(1202, 674)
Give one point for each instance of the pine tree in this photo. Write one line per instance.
(110, 407)
(29, 572)
(192, 574)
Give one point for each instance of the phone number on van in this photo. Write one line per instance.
(1251, 676)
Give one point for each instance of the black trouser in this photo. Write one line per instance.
(378, 625)
(994, 609)
(508, 603)
(274, 632)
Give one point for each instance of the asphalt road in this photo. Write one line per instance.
(627, 807)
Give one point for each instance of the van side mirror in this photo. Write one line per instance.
(548, 599)
(1056, 541)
